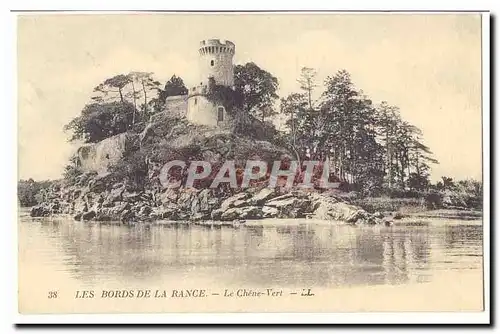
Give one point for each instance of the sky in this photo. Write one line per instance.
(429, 65)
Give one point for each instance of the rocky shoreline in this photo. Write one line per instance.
(97, 198)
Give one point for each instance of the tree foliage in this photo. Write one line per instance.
(174, 86)
(367, 146)
(99, 121)
(258, 90)
(30, 192)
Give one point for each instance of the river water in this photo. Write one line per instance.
(405, 267)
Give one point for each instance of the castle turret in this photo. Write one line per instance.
(216, 65)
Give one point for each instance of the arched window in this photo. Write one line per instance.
(212, 62)
(220, 114)
(195, 101)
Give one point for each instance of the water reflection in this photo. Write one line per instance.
(284, 255)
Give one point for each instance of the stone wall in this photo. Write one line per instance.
(176, 105)
(203, 112)
(100, 156)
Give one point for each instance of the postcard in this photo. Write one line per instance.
(242, 162)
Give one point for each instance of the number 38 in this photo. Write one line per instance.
(52, 294)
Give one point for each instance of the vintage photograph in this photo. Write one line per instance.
(250, 162)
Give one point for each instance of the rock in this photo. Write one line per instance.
(195, 205)
(199, 216)
(235, 199)
(96, 207)
(216, 214)
(290, 207)
(398, 215)
(104, 214)
(89, 215)
(283, 203)
(97, 185)
(170, 195)
(145, 210)
(388, 222)
(248, 212)
(54, 207)
(356, 216)
(163, 213)
(40, 211)
(269, 212)
(378, 214)
(120, 207)
(283, 197)
(328, 208)
(115, 195)
(76, 193)
(127, 215)
(205, 200)
(81, 205)
(262, 196)
(131, 197)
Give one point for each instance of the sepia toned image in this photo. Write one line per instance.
(250, 162)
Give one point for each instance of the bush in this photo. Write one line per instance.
(381, 204)
(30, 192)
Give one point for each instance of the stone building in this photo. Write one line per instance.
(215, 63)
(216, 66)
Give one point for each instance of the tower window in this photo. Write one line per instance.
(195, 101)
(212, 62)
(220, 114)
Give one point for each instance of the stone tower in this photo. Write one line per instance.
(215, 62)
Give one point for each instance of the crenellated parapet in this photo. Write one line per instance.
(215, 46)
(215, 67)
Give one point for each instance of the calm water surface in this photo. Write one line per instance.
(285, 254)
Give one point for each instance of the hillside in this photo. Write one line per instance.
(120, 181)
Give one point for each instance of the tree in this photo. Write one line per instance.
(148, 85)
(407, 159)
(307, 82)
(107, 90)
(294, 107)
(258, 90)
(30, 192)
(100, 121)
(175, 86)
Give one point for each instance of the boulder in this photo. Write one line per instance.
(269, 212)
(329, 208)
(248, 212)
(356, 216)
(80, 205)
(163, 213)
(127, 215)
(284, 203)
(216, 214)
(89, 215)
(262, 196)
(120, 207)
(145, 210)
(115, 195)
(290, 207)
(40, 211)
(131, 197)
(398, 215)
(234, 201)
(170, 195)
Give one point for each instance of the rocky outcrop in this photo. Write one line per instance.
(130, 191)
(99, 199)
